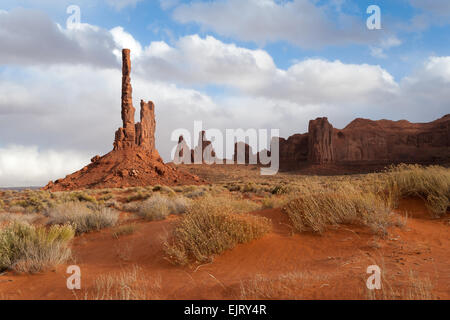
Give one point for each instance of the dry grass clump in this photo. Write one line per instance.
(17, 217)
(315, 211)
(139, 196)
(209, 228)
(429, 183)
(126, 285)
(159, 207)
(285, 286)
(83, 217)
(27, 248)
(124, 230)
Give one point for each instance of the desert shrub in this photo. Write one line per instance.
(124, 230)
(280, 189)
(106, 197)
(250, 187)
(158, 207)
(210, 228)
(82, 217)
(284, 286)
(112, 203)
(138, 196)
(26, 248)
(125, 285)
(273, 202)
(315, 211)
(16, 217)
(178, 189)
(164, 189)
(16, 209)
(429, 183)
(82, 196)
(195, 193)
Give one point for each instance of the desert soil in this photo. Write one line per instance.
(328, 266)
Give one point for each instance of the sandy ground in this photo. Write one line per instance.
(328, 266)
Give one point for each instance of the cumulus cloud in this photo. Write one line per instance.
(22, 166)
(301, 22)
(437, 7)
(384, 45)
(205, 61)
(31, 37)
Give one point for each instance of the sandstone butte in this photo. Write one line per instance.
(366, 143)
(363, 145)
(134, 161)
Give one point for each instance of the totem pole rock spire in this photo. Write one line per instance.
(134, 160)
(126, 135)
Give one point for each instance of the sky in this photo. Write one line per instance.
(231, 64)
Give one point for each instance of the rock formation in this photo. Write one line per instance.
(134, 161)
(384, 141)
(204, 151)
(320, 141)
(366, 144)
(243, 154)
(183, 154)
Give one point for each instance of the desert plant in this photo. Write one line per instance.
(27, 248)
(138, 196)
(158, 207)
(124, 230)
(125, 285)
(315, 211)
(25, 218)
(429, 183)
(82, 217)
(208, 229)
(284, 286)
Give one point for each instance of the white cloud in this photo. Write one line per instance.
(385, 44)
(125, 40)
(302, 22)
(30, 37)
(437, 7)
(23, 166)
(205, 61)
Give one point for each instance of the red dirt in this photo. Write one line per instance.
(124, 168)
(333, 265)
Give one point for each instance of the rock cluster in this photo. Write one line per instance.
(202, 153)
(134, 161)
(366, 142)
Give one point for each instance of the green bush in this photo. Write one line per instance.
(27, 248)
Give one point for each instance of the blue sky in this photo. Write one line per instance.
(229, 63)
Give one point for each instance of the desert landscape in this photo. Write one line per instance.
(373, 193)
(209, 159)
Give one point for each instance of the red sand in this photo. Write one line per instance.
(334, 264)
